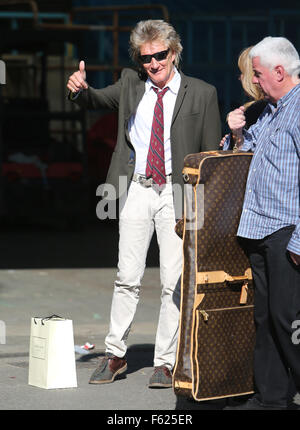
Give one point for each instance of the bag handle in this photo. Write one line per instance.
(47, 318)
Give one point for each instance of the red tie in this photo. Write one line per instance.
(156, 155)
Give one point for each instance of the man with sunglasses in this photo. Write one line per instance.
(163, 116)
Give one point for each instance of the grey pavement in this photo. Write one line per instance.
(84, 296)
(45, 272)
(71, 274)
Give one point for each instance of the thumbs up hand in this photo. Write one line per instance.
(77, 81)
(82, 69)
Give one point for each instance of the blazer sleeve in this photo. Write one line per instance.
(104, 98)
(211, 135)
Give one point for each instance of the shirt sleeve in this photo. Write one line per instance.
(248, 145)
(227, 143)
(294, 243)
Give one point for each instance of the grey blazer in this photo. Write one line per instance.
(195, 125)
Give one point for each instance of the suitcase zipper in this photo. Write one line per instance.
(205, 315)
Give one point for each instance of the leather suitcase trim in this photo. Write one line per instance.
(203, 399)
(214, 154)
(195, 375)
(221, 276)
(182, 384)
(190, 170)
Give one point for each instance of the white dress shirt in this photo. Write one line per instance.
(140, 124)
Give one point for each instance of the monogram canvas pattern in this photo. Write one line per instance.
(223, 367)
(206, 365)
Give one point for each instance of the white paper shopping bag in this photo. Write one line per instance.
(51, 356)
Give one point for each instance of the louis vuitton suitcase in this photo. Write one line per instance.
(216, 336)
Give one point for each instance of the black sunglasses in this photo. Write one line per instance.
(159, 56)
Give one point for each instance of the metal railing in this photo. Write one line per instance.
(34, 13)
(70, 23)
(211, 43)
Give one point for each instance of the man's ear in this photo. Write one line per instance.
(173, 57)
(279, 72)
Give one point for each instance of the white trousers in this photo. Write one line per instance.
(144, 211)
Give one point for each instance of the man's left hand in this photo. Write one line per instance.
(295, 258)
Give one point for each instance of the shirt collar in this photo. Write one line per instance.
(288, 96)
(173, 85)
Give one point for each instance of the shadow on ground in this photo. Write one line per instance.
(38, 245)
(141, 356)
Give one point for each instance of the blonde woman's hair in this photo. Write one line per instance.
(154, 30)
(245, 66)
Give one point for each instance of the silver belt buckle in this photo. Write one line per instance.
(146, 182)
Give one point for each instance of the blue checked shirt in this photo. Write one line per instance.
(272, 196)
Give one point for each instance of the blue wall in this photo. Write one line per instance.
(213, 34)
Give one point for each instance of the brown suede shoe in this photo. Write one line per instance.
(109, 367)
(161, 378)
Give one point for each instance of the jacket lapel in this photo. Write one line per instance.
(133, 103)
(140, 90)
(180, 96)
(134, 98)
